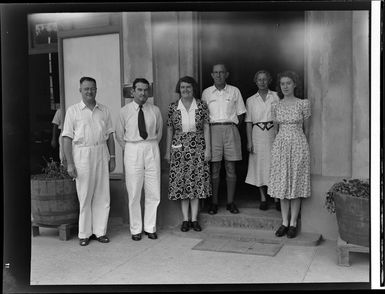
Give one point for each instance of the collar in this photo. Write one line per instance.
(268, 95)
(193, 105)
(136, 105)
(83, 105)
(216, 89)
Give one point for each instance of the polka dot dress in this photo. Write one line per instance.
(290, 157)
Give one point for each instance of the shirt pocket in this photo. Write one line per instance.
(81, 131)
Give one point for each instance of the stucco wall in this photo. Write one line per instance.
(337, 85)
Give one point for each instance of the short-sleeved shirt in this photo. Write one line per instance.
(224, 105)
(127, 125)
(259, 110)
(87, 127)
(57, 120)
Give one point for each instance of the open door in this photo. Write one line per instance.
(94, 53)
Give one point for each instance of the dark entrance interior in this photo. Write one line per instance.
(247, 42)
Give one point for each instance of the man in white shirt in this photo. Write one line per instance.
(226, 108)
(139, 131)
(89, 149)
(57, 125)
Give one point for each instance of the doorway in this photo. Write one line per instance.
(247, 41)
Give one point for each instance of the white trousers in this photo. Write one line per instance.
(142, 167)
(93, 189)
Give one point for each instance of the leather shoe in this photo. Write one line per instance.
(282, 230)
(185, 226)
(263, 205)
(213, 209)
(84, 241)
(103, 239)
(195, 225)
(152, 235)
(136, 237)
(232, 208)
(292, 232)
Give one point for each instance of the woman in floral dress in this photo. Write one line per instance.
(290, 159)
(188, 151)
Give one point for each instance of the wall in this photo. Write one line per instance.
(338, 87)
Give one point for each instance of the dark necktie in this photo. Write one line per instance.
(141, 123)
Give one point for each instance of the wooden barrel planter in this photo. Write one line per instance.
(352, 218)
(54, 203)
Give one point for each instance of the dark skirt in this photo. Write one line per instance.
(189, 176)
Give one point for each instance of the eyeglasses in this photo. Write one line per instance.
(89, 89)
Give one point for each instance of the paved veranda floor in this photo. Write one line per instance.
(171, 260)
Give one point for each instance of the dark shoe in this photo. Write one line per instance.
(282, 230)
(84, 241)
(213, 209)
(195, 225)
(232, 208)
(136, 237)
(263, 205)
(185, 226)
(292, 232)
(152, 235)
(103, 239)
(278, 205)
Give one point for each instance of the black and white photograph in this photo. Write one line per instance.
(192, 146)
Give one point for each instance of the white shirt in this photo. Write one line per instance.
(259, 110)
(188, 117)
(127, 124)
(87, 127)
(57, 119)
(224, 105)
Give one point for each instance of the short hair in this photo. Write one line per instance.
(89, 79)
(220, 63)
(263, 71)
(192, 82)
(295, 78)
(140, 80)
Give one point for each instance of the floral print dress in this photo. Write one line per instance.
(189, 176)
(290, 157)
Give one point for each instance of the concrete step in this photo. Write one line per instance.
(246, 234)
(251, 218)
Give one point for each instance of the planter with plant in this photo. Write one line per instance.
(54, 201)
(349, 200)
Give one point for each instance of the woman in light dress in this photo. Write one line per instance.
(260, 133)
(290, 159)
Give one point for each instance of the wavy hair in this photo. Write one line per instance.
(295, 78)
(192, 82)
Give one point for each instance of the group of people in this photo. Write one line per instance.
(201, 132)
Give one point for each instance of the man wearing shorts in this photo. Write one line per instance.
(226, 108)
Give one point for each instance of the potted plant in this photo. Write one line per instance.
(349, 200)
(54, 201)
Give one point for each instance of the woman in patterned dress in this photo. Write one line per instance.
(188, 151)
(260, 133)
(290, 159)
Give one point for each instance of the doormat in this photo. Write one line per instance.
(238, 246)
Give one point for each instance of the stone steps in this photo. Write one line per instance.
(242, 234)
(249, 217)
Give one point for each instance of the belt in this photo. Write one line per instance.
(191, 132)
(267, 125)
(91, 145)
(223, 123)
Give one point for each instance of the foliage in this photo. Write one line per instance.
(355, 188)
(52, 171)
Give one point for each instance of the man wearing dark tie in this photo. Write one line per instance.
(138, 131)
